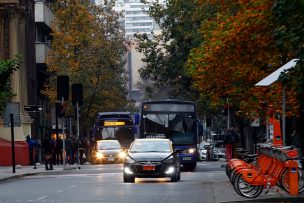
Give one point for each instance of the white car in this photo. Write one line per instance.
(202, 150)
(216, 153)
(220, 153)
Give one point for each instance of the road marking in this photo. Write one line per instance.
(72, 186)
(59, 191)
(41, 198)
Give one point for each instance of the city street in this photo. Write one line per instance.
(103, 183)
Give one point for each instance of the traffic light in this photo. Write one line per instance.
(77, 94)
(60, 110)
(63, 87)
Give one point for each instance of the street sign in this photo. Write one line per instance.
(33, 108)
(12, 108)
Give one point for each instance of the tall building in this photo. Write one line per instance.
(135, 19)
(44, 18)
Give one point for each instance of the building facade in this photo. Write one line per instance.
(135, 19)
(25, 27)
(17, 37)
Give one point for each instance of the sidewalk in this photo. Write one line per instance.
(6, 172)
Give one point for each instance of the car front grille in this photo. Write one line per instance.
(138, 167)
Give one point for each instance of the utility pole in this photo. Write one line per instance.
(228, 114)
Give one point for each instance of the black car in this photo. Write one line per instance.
(151, 158)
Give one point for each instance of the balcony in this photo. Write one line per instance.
(43, 15)
(42, 50)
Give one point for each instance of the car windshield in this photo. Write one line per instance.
(150, 146)
(108, 145)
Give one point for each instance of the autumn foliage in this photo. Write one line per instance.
(89, 47)
(238, 50)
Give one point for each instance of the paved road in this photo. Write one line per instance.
(103, 183)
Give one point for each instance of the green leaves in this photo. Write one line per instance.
(7, 67)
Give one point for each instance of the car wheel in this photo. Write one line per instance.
(128, 179)
(179, 175)
(174, 177)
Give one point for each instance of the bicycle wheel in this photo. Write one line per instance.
(284, 180)
(233, 176)
(228, 171)
(245, 189)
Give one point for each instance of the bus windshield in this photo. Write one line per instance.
(124, 134)
(179, 127)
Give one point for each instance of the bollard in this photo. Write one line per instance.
(293, 176)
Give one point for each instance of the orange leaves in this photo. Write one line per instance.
(237, 45)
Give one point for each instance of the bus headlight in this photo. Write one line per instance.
(189, 151)
(122, 155)
(99, 155)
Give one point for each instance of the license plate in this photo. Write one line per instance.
(186, 158)
(111, 159)
(148, 167)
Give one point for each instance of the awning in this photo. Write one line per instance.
(273, 77)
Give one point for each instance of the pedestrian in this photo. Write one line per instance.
(58, 152)
(230, 139)
(69, 150)
(82, 150)
(48, 152)
(31, 146)
(75, 148)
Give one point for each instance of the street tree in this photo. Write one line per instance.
(166, 54)
(289, 37)
(88, 46)
(237, 51)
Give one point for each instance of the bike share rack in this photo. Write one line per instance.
(274, 164)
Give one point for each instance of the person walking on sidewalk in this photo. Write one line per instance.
(230, 139)
(48, 151)
(58, 152)
(69, 150)
(31, 145)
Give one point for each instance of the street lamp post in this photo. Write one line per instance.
(273, 77)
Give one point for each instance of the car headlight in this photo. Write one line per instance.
(128, 170)
(122, 155)
(189, 151)
(99, 155)
(170, 170)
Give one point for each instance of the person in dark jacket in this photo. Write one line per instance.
(48, 152)
(230, 139)
(58, 152)
(31, 145)
(69, 150)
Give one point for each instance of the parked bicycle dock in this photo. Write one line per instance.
(272, 165)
